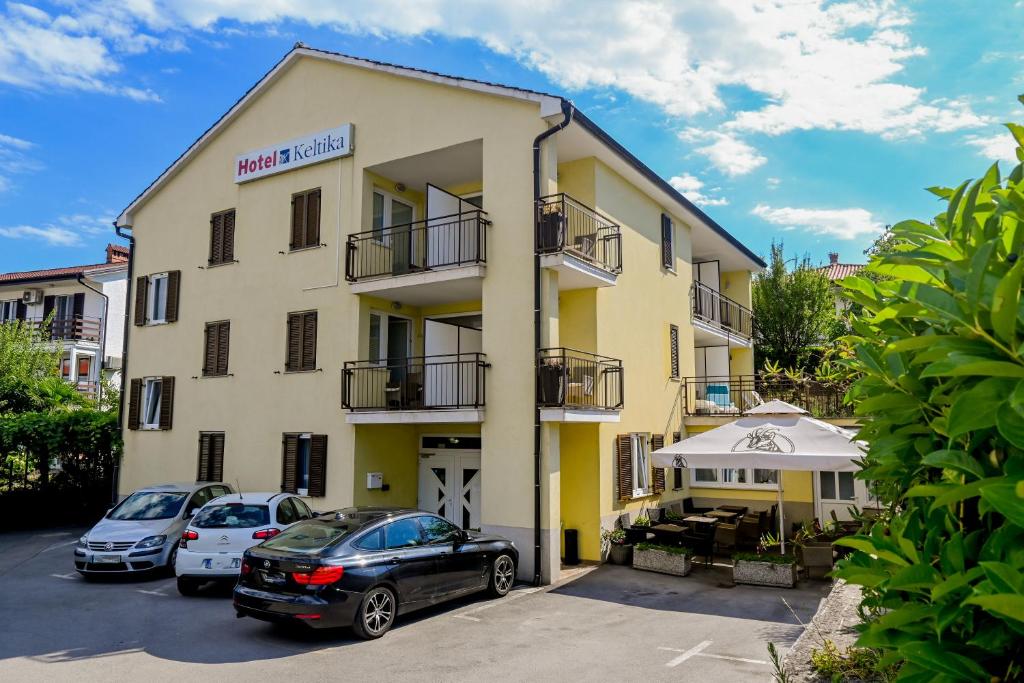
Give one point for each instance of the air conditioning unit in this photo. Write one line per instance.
(32, 296)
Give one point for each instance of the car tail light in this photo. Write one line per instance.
(186, 536)
(321, 576)
(311, 617)
(264, 534)
(246, 567)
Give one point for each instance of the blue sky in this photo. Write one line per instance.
(812, 122)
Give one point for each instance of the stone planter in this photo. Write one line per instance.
(816, 558)
(620, 553)
(764, 573)
(654, 560)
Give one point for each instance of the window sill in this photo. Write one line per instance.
(646, 494)
(220, 264)
(298, 249)
(301, 372)
(156, 323)
(217, 376)
(149, 428)
(721, 485)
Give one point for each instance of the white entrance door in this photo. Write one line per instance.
(450, 486)
(837, 492)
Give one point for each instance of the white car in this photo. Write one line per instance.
(212, 544)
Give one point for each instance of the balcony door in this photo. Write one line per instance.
(451, 234)
(450, 375)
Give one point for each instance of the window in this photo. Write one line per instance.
(84, 368)
(438, 530)
(305, 220)
(286, 513)
(143, 505)
(199, 499)
(371, 541)
(641, 469)
(730, 476)
(632, 455)
(734, 478)
(376, 336)
(301, 509)
(304, 464)
(156, 298)
(222, 237)
(668, 249)
(301, 347)
(65, 367)
(766, 477)
(388, 211)
(673, 342)
(216, 342)
(9, 311)
(211, 456)
(837, 486)
(404, 533)
(232, 516)
(151, 403)
(702, 475)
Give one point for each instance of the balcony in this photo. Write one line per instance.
(576, 386)
(718, 318)
(421, 263)
(734, 396)
(578, 242)
(72, 328)
(425, 389)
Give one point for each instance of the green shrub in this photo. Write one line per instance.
(642, 520)
(941, 361)
(671, 549)
(857, 663)
(766, 557)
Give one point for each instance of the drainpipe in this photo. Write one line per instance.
(124, 343)
(567, 110)
(103, 335)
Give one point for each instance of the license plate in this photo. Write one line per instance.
(107, 559)
(272, 578)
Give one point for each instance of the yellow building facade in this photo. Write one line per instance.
(374, 285)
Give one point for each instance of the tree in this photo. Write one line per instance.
(25, 364)
(794, 313)
(941, 362)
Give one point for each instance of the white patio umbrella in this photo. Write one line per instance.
(772, 436)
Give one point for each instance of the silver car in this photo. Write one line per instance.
(141, 532)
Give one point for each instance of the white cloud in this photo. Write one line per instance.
(726, 152)
(773, 183)
(844, 224)
(691, 187)
(999, 147)
(51, 234)
(14, 160)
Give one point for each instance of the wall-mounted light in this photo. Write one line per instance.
(396, 305)
(399, 187)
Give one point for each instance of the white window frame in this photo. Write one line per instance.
(9, 310)
(78, 359)
(149, 395)
(640, 454)
(387, 217)
(835, 480)
(152, 301)
(720, 482)
(63, 306)
(306, 439)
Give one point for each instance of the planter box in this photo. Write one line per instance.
(816, 557)
(663, 562)
(764, 573)
(620, 553)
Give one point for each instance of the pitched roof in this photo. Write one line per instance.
(837, 271)
(550, 105)
(114, 253)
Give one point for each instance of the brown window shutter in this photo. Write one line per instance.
(223, 344)
(293, 353)
(134, 400)
(313, 218)
(210, 349)
(203, 471)
(173, 292)
(666, 241)
(624, 466)
(298, 221)
(318, 465)
(289, 462)
(215, 470)
(141, 289)
(216, 238)
(166, 402)
(658, 442)
(309, 341)
(228, 253)
(673, 338)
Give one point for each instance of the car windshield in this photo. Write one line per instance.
(313, 535)
(232, 516)
(149, 505)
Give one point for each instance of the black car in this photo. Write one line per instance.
(362, 566)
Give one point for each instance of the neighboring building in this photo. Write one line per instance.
(87, 305)
(360, 329)
(836, 271)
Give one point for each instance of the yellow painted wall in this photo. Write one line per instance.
(392, 450)
(581, 484)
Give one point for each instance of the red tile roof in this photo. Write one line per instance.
(116, 255)
(837, 271)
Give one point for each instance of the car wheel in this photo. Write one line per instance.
(376, 614)
(187, 586)
(503, 575)
(171, 558)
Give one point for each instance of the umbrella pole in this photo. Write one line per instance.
(782, 524)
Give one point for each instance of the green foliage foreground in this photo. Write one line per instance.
(940, 349)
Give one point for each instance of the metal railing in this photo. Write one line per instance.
(419, 383)
(717, 309)
(75, 327)
(737, 394)
(568, 378)
(456, 240)
(565, 225)
(89, 389)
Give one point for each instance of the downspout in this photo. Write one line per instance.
(124, 344)
(103, 335)
(567, 110)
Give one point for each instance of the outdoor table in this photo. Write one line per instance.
(668, 533)
(698, 519)
(738, 509)
(722, 515)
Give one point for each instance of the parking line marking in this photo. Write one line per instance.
(71, 576)
(687, 654)
(732, 659)
(162, 595)
(466, 617)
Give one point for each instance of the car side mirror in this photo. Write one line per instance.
(459, 537)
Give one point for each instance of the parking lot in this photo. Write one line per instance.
(612, 623)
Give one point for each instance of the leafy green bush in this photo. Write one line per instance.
(773, 558)
(671, 549)
(940, 353)
(857, 663)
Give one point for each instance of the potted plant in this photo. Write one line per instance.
(642, 520)
(814, 548)
(619, 551)
(764, 569)
(666, 559)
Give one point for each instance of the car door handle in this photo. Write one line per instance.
(395, 560)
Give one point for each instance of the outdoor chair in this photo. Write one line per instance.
(413, 397)
(748, 532)
(634, 534)
(701, 541)
(690, 509)
(725, 536)
(656, 516)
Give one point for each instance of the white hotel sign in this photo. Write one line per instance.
(309, 149)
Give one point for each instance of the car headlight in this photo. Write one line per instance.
(151, 541)
(83, 541)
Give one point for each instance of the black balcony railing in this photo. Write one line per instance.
(456, 240)
(420, 383)
(72, 328)
(566, 225)
(714, 308)
(738, 394)
(579, 380)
